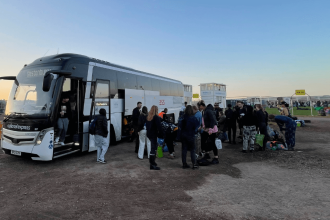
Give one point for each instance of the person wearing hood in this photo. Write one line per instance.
(209, 135)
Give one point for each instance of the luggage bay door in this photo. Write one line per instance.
(100, 93)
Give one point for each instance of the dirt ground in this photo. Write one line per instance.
(260, 185)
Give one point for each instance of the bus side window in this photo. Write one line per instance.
(102, 90)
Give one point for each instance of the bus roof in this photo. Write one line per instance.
(86, 59)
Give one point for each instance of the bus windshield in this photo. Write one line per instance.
(27, 97)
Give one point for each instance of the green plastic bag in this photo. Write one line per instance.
(260, 139)
(159, 152)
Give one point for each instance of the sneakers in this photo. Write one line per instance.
(185, 166)
(57, 140)
(102, 161)
(215, 161)
(61, 143)
(139, 158)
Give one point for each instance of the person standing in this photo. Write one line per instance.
(101, 134)
(154, 128)
(135, 119)
(262, 121)
(64, 116)
(249, 127)
(142, 132)
(290, 129)
(189, 126)
(209, 133)
(240, 110)
(198, 116)
(231, 123)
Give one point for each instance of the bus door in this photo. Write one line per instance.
(100, 99)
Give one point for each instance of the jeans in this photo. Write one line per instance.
(263, 130)
(188, 143)
(62, 124)
(143, 140)
(249, 135)
(102, 146)
(198, 143)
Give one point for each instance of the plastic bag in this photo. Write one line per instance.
(160, 152)
(260, 139)
(165, 148)
(160, 141)
(218, 143)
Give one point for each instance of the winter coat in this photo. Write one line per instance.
(154, 128)
(101, 126)
(209, 117)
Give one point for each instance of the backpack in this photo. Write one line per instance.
(92, 126)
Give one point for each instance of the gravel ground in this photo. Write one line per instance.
(260, 185)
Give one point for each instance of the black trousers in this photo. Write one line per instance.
(188, 143)
(208, 143)
(135, 136)
(231, 129)
(169, 141)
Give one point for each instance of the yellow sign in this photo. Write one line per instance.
(300, 92)
(195, 96)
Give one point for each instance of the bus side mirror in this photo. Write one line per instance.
(48, 78)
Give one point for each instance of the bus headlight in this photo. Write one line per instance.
(41, 135)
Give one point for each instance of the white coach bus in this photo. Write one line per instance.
(33, 104)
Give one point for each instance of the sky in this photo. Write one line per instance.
(255, 47)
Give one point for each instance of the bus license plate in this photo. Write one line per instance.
(17, 153)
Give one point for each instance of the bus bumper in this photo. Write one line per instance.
(42, 152)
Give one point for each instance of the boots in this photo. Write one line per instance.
(153, 165)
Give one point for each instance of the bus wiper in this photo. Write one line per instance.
(17, 113)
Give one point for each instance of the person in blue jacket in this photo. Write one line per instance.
(290, 129)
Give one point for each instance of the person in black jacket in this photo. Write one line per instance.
(142, 131)
(135, 119)
(64, 116)
(189, 126)
(209, 135)
(249, 123)
(262, 121)
(231, 123)
(101, 134)
(153, 129)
